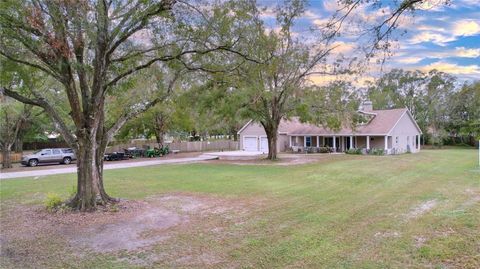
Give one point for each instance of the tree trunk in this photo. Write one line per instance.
(6, 160)
(90, 190)
(272, 145)
(160, 128)
(19, 142)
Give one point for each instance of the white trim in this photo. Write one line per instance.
(244, 126)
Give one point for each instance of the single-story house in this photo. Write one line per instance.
(394, 130)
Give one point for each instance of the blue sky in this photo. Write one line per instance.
(442, 37)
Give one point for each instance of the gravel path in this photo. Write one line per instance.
(119, 165)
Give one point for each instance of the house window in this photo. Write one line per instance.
(308, 141)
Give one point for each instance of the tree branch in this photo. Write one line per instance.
(37, 66)
(129, 114)
(40, 102)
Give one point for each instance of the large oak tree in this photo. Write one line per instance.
(100, 54)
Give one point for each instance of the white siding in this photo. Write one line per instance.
(405, 134)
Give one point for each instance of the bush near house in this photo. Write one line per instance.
(314, 150)
(375, 151)
(355, 151)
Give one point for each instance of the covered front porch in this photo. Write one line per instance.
(339, 143)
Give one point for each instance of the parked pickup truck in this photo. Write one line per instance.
(57, 155)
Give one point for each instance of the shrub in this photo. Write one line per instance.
(375, 151)
(53, 201)
(355, 151)
(164, 150)
(324, 150)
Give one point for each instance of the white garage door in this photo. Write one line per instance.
(264, 144)
(250, 144)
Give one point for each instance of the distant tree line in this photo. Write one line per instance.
(447, 111)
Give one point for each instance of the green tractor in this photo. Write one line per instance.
(156, 152)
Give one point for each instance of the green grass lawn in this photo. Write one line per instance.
(407, 211)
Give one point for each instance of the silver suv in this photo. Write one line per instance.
(61, 155)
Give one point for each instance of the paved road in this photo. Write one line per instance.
(108, 166)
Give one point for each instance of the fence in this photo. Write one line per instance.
(44, 145)
(14, 157)
(215, 145)
(196, 146)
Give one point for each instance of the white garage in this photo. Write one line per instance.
(264, 144)
(250, 143)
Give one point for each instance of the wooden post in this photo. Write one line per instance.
(386, 143)
(368, 142)
(318, 141)
(351, 142)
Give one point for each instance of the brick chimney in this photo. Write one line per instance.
(367, 106)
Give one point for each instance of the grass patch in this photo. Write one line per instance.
(347, 213)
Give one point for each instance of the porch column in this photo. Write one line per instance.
(368, 142)
(351, 142)
(318, 141)
(386, 142)
(304, 141)
(418, 142)
(291, 141)
(323, 141)
(335, 143)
